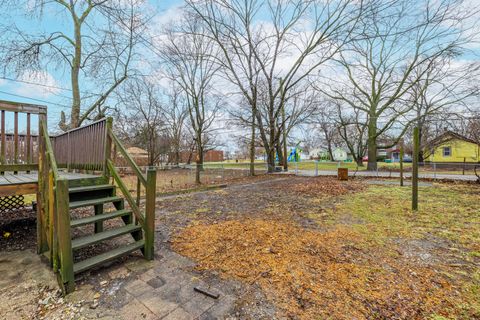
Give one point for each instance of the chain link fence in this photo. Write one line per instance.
(427, 170)
(180, 177)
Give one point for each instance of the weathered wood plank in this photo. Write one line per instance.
(4, 138)
(22, 107)
(18, 167)
(18, 189)
(150, 213)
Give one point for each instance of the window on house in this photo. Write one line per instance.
(447, 151)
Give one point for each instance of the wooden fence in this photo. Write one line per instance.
(82, 148)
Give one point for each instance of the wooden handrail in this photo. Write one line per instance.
(127, 157)
(49, 150)
(126, 193)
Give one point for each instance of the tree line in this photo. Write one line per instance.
(357, 74)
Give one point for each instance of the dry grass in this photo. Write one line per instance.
(315, 275)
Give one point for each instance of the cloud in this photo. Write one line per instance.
(45, 90)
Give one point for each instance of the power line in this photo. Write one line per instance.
(35, 99)
(46, 86)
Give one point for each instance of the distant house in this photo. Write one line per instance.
(189, 157)
(339, 154)
(452, 147)
(318, 154)
(139, 155)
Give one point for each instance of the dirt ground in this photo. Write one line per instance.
(280, 247)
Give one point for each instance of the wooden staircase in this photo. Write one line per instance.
(97, 196)
(88, 149)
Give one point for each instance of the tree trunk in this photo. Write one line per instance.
(77, 59)
(270, 159)
(372, 144)
(252, 147)
(281, 159)
(359, 161)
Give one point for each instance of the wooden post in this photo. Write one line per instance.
(416, 146)
(150, 213)
(98, 211)
(139, 188)
(42, 245)
(464, 165)
(108, 146)
(401, 165)
(4, 139)
(28, 144)
(64, 237)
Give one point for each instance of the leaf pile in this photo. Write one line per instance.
(314, 275)
(325, 187)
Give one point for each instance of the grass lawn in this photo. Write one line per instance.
(323, 249)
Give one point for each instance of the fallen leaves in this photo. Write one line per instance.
(324, 187)
(320, 275)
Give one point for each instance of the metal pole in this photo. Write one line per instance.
(416, 145)
(316, 168)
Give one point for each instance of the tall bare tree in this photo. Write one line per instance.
(187, 54)
(99, 48)
(380, 68)
(299, 38)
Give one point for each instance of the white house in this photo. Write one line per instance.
(339, 154)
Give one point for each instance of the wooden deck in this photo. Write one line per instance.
(27, 183)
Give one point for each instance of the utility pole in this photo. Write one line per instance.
(416, 147)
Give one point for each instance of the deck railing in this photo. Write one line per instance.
(82, 148)
(147, 220)
(19, 146)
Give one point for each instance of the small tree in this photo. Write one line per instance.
(140, 118)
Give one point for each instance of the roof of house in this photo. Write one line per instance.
(447, 136)
(134, 151)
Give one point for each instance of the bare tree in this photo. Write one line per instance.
(176, 113)
(380, 68)
(140, 118)
(301, 37)
(446, 90)
(99, 48)
(326, 122)
(187, 54)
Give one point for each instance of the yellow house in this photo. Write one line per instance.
(452, 147)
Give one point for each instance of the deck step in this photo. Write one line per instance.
(99, 217)
(91, 188)
(92, 202)
(82, 242)
(107, 256)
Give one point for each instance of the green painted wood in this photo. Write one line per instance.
(123, 188)
(18, 167)
(91, 188)
(107, 256)
(93, 202)
(127, 157)
(150, 213)
(102, 236)
(98, 212)
(63, 234)
(83, 182)
(102, 217)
